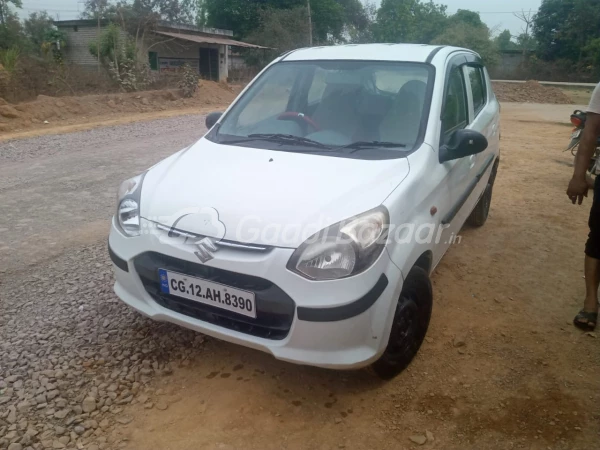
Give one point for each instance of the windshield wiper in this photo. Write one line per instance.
(281, 139)
(288, 139)
(362, 145)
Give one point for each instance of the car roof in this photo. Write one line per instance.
(372, 52)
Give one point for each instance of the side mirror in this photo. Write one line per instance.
(212, 118)
(463, 143)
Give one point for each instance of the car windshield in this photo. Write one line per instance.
(331, 106)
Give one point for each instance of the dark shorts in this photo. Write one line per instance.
(592, 247)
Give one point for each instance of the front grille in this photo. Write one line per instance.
(175, 232)
(274, 308)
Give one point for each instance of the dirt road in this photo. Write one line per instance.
(502, 367)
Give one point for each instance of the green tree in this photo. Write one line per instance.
(504, 41)
(526, 42)
(177, 11)
(356, 12)
(592, 49)
(137, 17)
(409, 21)
(472, 37)
(330, 17)
(280, 30)
(366, 33)
(39, 28)
(94, 8)
(11, 31)
(44, 37)
(201, 13)
(564, 28)
(241, 16)
(5, 12)
(468, 17)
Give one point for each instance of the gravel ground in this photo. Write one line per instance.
(502, 366)
(180, 130)
(60, 190)
(71, 355)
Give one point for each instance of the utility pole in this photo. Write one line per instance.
(310, 34)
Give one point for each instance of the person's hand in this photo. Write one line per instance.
(578, 188)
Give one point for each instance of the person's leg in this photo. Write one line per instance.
(588, 317)
(592, 283)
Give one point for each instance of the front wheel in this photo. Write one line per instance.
(411, 321)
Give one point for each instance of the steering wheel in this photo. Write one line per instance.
(292, 115)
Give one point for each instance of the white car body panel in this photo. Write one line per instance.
(328, 190)
(367, 52)
(362, 338)
(279, 188)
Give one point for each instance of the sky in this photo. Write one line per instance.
(497, 14)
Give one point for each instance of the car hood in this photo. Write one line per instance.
(263, 197)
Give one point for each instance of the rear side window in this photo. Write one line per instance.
(454, 116)
(477, 81)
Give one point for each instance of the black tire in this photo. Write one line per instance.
(411, 321)
(480, 214)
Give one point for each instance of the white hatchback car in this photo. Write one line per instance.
(307, 221)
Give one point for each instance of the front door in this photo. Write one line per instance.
(455, 116)
(209, 63)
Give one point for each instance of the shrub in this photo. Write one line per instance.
(189, 81)
(119, 54)
(9, 59)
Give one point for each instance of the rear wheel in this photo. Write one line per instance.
(479, 215)
(409, 328)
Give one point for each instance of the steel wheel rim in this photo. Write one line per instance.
(404, 336)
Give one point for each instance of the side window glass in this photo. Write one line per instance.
(454, 116)
(477, 81)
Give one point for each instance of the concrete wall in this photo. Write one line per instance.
(177, 49)
(78, 44)
(236, 61)
(509, 66)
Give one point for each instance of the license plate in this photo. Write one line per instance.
(207, 292)
(576, 134)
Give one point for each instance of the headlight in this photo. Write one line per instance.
(344, 249)
(128, 209)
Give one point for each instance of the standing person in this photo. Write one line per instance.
(577, 190)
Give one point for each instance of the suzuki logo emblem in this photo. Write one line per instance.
(200, 227)
(205, 249)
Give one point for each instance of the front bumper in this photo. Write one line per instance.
(341, 324)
